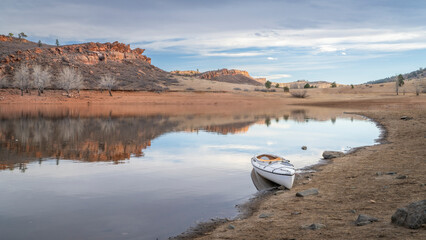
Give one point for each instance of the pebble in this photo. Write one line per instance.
(365, 219)
(314, 226)
(304, 147)
(391, 173)
(230, 226)
(265, 215)
(312, 191)
(401, 177)
(295, 213)
(279, 192)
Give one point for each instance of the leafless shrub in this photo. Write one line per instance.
(396, 87)
(41, 78)
(417, 87)
(3, 81)
(107, 82)
(69, 78)
(22, 78)
(299, 94)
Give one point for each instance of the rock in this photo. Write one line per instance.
(365, 219)
(312, 191)
(401, 177)
(332, 154)
(406, 118)
(353, 211)
(231, 227)
(391, 173)
(314, 226)
(279, 192)
(265, 215)
(411, 216)
(295, 213)
(304, 147)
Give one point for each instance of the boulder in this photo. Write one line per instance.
(332, 154)
(411, 216)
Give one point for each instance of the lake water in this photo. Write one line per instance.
(66, 175)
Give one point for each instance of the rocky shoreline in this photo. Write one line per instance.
(355, 195)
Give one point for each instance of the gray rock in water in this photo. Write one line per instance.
(365, 219)
(314, 226)
(312, 191)
(304, 147)
(411, 216)
(332, 154)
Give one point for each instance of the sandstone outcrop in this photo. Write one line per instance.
(132, 69)
(232, 76)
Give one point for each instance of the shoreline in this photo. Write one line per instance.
(248, 208)
(314, 212)
(356, 183)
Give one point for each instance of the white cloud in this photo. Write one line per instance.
(275, 76)
(242, 54)
(272, 58)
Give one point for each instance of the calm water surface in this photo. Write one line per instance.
(64, 176)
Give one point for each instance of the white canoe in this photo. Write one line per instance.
(274, 168)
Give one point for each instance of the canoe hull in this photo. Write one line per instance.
(280, 172)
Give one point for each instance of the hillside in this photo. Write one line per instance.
(420, 73)
(222, 75)
(301, 84)
(132, 70)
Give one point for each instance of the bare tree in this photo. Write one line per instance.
(3, 81)
(41, 78)
(417, 87)
(107, 82)
(70, 78)
(22, 78)
(396, 86)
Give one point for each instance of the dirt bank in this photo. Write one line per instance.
(357, 183)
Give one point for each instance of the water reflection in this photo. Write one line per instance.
(32, 136)
(260, 182)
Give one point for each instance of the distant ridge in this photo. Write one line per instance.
(222, 75)
(421, 72)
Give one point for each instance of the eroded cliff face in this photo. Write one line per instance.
(223, 72)
(231, 76)
(88, 53)
(132, 69)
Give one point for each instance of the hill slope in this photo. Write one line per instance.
(420, 73)
(222, 75)
(132, 70)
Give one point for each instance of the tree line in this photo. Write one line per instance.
(38, 77)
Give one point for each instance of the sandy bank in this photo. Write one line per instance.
(357, 183)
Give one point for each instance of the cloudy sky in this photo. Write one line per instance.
(332, 40)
